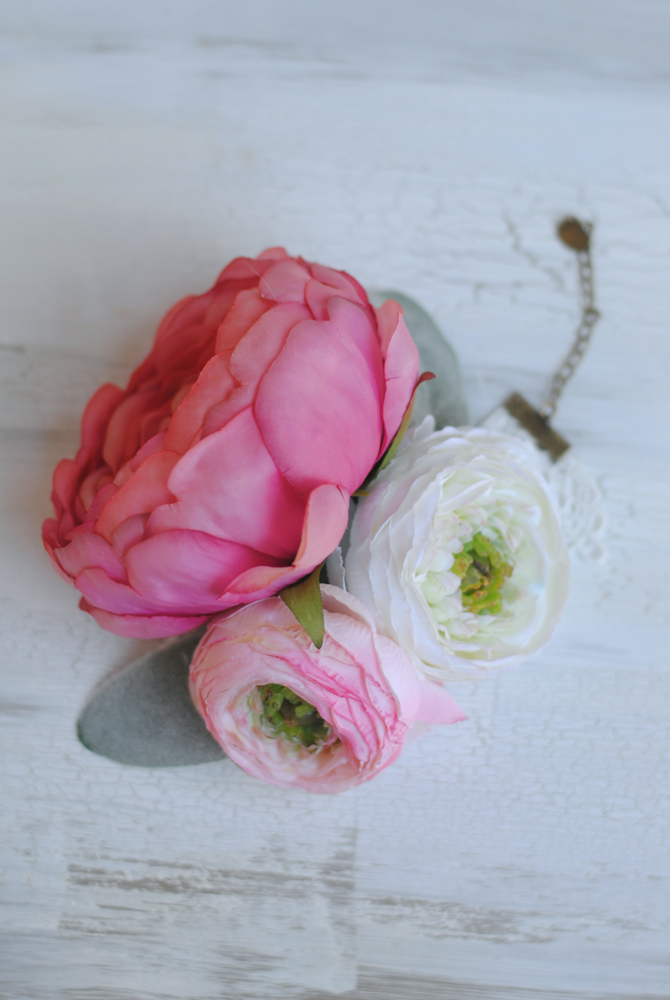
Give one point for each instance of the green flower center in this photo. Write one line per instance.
(284, 713)
(483, 572)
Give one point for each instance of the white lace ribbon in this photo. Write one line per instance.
(577, 494)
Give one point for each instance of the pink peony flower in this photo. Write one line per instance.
(223, 472)
(299, 717)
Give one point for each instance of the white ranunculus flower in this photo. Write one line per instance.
(457, 552)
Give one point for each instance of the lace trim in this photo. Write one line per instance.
(577, 494)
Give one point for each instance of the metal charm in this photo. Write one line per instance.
(577, 236)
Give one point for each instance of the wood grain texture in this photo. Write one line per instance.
(524, 854)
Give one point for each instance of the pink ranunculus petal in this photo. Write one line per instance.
(284, 282)
(318, 412)
(437, 707)
(347, 681)
(228, 486)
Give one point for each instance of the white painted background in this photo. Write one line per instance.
(428, 146)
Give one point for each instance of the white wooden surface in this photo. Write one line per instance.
(427, 146)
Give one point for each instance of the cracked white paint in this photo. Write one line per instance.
(523, 854)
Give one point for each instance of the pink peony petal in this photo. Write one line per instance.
(258, 583)
(318, 411)
(273, 253)
(387, 322)
(183, 313)
(318, 295)
(326, 521)
(180, 356)
(401, 369)
(241, 398)
(81, 529)
(97, 414)
(65, 481)
(284, 282)
(141, 626)
(228, 486)
(145, 491)
(234, 447)
(262, 343)
(244, 267)
(103, 592)
(187, 570)
(90, 550)
(104, 494)
(340, 280)
(154, 424)
(123, 437)
(358, 324)
(245, 311)
(129, 533)
(52, 543)
(214, 384)
(150, 447)
(222, 302)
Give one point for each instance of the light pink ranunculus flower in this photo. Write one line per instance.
(223, 472)
(300, 717)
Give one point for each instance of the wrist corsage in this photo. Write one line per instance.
(266, 436)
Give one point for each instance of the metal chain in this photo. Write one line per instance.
(576, 235)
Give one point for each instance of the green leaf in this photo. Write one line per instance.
(304, 600)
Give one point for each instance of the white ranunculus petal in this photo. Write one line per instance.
(442, 488)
